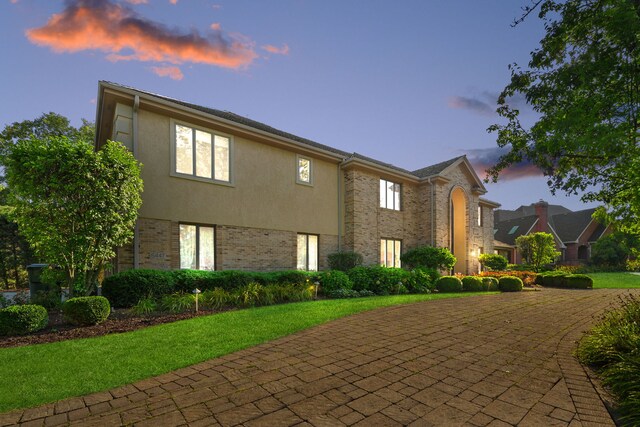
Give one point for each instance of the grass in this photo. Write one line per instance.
(38, 374)
(612, 347)
(621, 280)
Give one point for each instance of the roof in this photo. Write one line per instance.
(570, 226)
(435, 169)
(507, 231)
(504, 214)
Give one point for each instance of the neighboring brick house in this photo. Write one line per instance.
(226, 192)
(574, 232)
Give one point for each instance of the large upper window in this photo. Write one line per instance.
(201, 153)
(307, 252)
(390, 251)
(389, 195)
(304, 174)
(197, 247)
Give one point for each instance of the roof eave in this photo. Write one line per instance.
(355, 161)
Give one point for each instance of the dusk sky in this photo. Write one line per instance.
(410, 83)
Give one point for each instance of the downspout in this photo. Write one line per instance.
(432, 209)
(134, 142)
(340, 198)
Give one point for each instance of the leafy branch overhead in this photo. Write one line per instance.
(583, 81)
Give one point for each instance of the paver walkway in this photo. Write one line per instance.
(487, 360)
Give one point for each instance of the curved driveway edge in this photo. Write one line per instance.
(489, 360)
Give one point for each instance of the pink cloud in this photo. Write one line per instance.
(138, 1)
(173, 1)
(215, 26)
(485, 158)
(284, 50)
(168, 71)
(125, 35)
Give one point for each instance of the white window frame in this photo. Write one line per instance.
(298, 179)
(306, 249)
(397, 246)
(198, 226)
(173, 171)
(396, 203)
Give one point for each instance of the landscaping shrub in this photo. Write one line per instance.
(332, 280)
(490, 284)
(178, 302)
(127, 288)
(472, 284)
(248, 295)
(612, 348)
(379, 280)
(578, 281)
(216, 298)
(559, 279)
(422, 280)
(633, 265)
(344, 261)
(528, 277)
(23, 319)
(429, 257)
(493, 262)
(188, 280)
(294, 277)
(86, 310)
(350, 293)
(145, 306)
(510, 284)
(446, 284)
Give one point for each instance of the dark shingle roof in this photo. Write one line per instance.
(435, 169)
(570, 225)
(503, 228)
(227, 115)
(597, 233)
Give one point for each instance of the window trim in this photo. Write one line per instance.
(311, 169)
(386, 240)
(307, 251)
(215, 245)
(399, 209)
(212, 180)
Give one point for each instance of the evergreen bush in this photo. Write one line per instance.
(23, 319)
(446, 284)
(86, 310)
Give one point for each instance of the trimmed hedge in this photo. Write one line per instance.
(510, 284)
(559, 279)
(333, 280)
(86, 310)
(429, 257)
(490, 284)
(127, 288)
(446, 284)
(23, 319)
(472, 284)
(344, 261)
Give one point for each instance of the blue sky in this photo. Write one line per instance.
(408, 82)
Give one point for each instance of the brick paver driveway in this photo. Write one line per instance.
(488, 360)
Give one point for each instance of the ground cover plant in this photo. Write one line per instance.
(30, 375)
(612, 347)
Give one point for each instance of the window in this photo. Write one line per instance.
(479, 216)
(390, 251)
(201, 153)
(389, 195)
(304, 170)
(197, 247)
(513, 229)
(307, 252)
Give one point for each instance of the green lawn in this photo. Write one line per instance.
(621, 280)
(33, 375)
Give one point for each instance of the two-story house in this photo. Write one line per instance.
(223, 192)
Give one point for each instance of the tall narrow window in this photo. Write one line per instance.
(304, 172)
(390, 251)
(389, 195)
(197, 247)
(201, 153)
(480, 216)
(307, 252)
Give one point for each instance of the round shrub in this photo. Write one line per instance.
(578, 281)
(422, 280)
(510, 284)
(448, 284)
(344, 261)
(23, 319)
(86, 310)
(333, 280)
(493, 262)
(127, 288)
(429, 257)
(472, 284)
(490, 284)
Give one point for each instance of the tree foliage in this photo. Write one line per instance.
(73, 205)
(493, 262)
(583, 83)
(429, 257)
(615, 249)
(537, 249)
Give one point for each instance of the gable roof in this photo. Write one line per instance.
(570, 226)
(508, 231)
(429, 171)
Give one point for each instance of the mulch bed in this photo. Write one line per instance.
(119, 321)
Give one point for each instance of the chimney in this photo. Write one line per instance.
(542, 212)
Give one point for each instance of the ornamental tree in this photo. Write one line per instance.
(493, 262)
(73, 205)
(583, 83)
(537, 249)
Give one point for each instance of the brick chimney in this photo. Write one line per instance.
(542, 212)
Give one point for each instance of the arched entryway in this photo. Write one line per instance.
(458, 232)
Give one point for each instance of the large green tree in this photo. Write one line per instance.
(583, 84)
(537, 249)
(73, 204)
